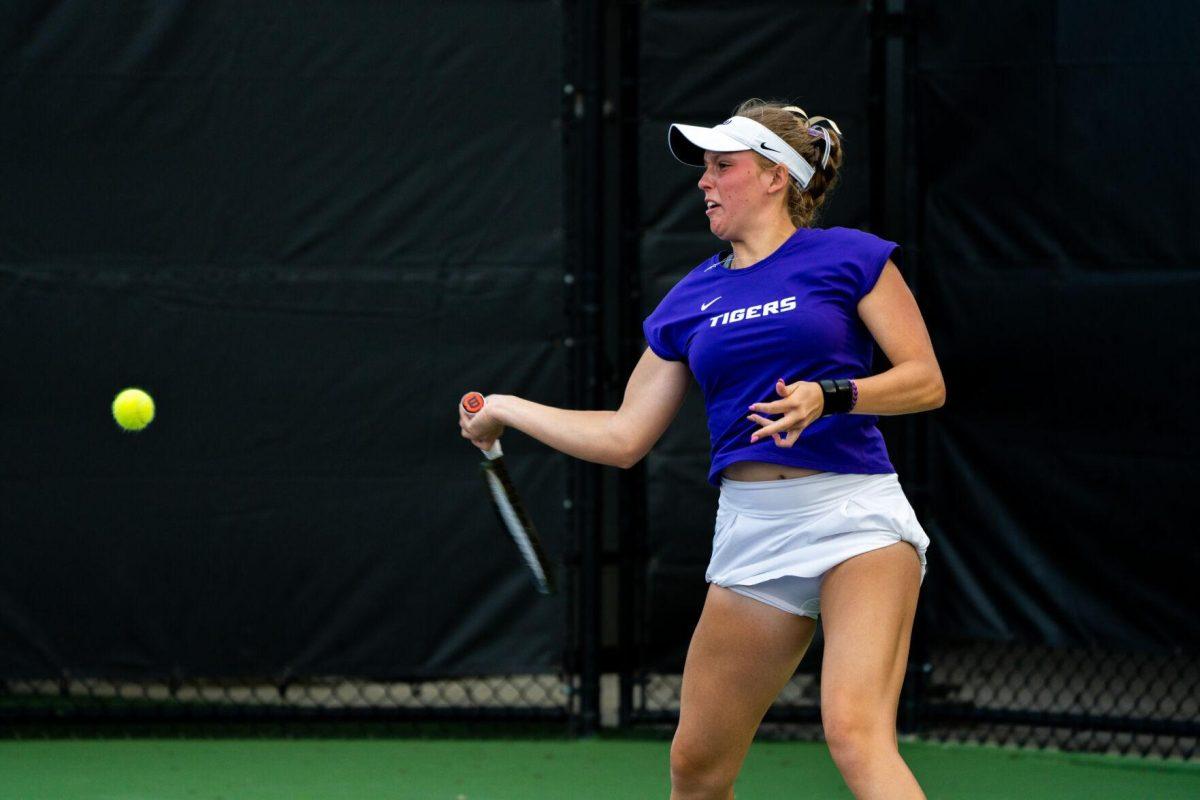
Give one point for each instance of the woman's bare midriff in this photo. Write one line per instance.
(764, 471)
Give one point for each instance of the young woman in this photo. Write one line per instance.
(811, 519)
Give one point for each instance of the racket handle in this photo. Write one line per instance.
(472, 404)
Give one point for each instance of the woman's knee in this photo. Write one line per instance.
(855, 732)
(703, 770)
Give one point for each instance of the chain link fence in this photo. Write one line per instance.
(547, 697)
(1079, 699)
(1082, 700)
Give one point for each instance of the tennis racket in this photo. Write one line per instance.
(509, 507)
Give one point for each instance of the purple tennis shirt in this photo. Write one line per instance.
(793, 315)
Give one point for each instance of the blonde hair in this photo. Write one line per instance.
(802, 132)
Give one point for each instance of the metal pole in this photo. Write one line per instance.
(584, 254)
(893, 202)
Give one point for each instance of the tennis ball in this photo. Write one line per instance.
(133, 409)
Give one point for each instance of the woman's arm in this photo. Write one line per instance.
(914, 383)
(588, 435)
(620, 438)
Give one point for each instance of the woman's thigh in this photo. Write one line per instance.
(867, 607)
(741, 655)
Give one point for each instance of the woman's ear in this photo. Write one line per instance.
(779, 178)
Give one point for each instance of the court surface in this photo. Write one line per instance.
(498, 769)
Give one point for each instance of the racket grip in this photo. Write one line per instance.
(472, 404)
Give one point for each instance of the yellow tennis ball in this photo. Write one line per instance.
(133, 409)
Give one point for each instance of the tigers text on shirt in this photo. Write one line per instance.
(739, 314)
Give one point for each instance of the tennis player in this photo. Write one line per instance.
(779, 332)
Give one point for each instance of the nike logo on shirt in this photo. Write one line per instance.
(704, 306)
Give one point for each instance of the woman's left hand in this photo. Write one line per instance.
(802, 402)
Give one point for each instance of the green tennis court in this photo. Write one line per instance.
(589, 769)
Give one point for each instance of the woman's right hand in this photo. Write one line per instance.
(482, 428)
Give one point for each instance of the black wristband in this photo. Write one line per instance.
(839, 396)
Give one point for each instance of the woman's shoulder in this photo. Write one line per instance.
(837, 233)
(687, 282)
(698, 272)
(851, 246)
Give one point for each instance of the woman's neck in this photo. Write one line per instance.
(759, 244)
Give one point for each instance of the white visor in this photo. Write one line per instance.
(688, 143)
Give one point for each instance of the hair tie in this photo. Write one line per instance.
(812, 131)
(812, 122)
(813, 126)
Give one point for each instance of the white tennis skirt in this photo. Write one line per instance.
(804, 527)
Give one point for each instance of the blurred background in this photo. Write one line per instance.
(307, 228)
